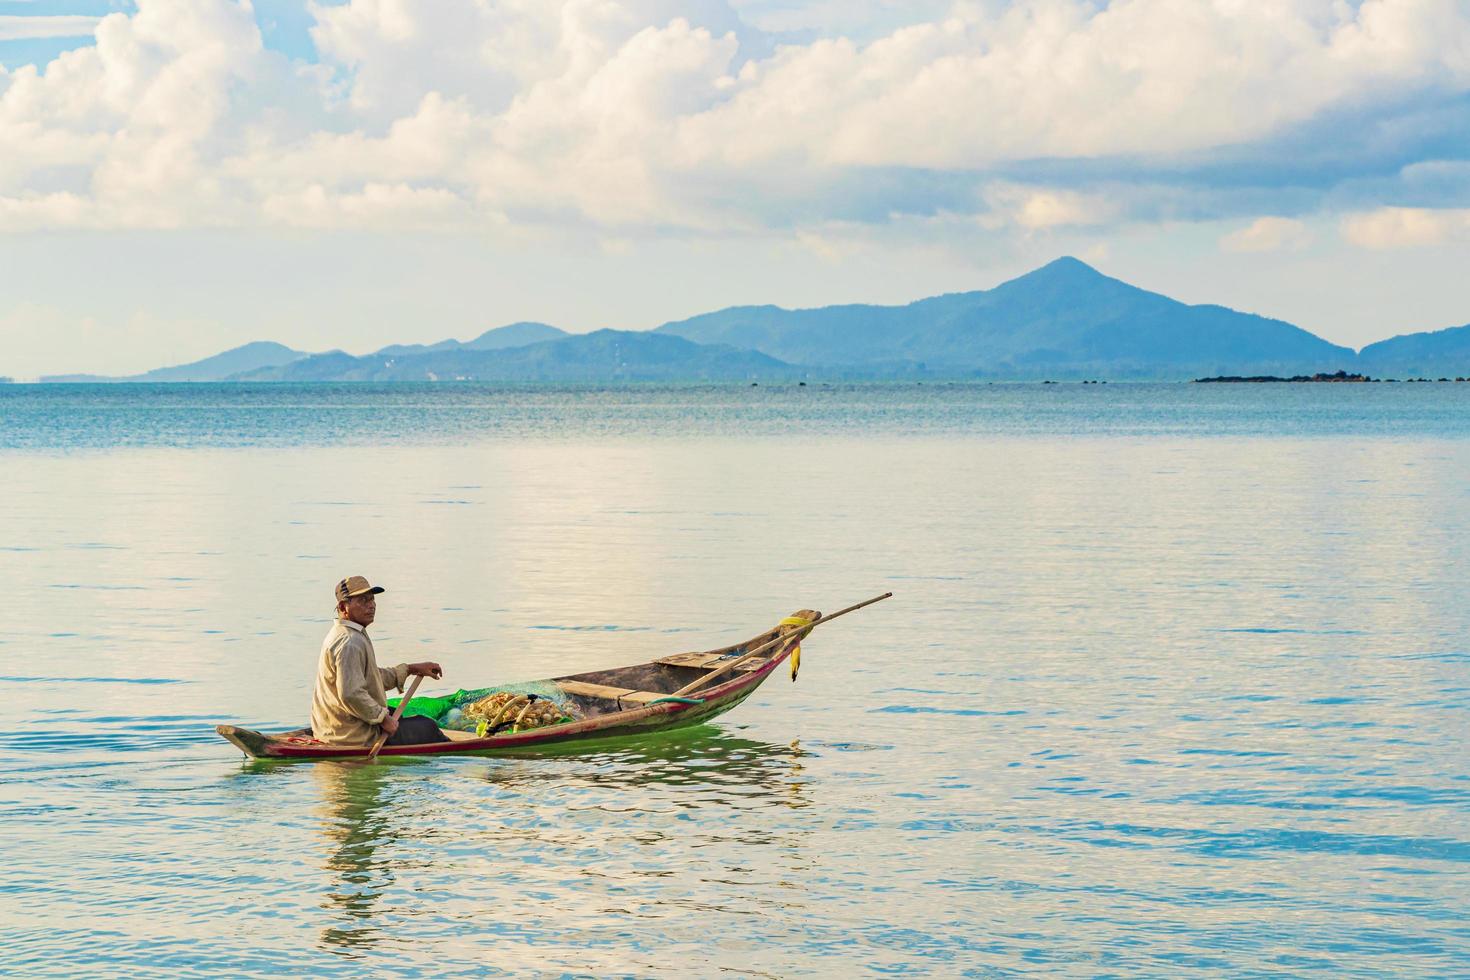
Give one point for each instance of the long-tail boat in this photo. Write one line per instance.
(670, 692)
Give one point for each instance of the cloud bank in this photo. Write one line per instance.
(634, 117)
(16, 26)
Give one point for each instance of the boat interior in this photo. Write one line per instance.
(601, 692)
(604, 692)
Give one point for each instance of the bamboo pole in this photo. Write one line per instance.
(397, 714)
(803, 630)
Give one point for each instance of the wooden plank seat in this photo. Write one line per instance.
(587, 689)
(708, 660)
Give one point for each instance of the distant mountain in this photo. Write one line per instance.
(1065, 319)
(602, 356)
(1435, 354)
(413, 350)
(261, 354)
(511, 335)
(515, 335)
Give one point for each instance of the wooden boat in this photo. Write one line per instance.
(622, 701)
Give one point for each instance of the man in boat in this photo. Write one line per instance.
(348, 706)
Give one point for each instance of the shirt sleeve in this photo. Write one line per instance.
(393, 677)
(352, 683)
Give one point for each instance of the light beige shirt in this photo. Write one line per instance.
(348, 703)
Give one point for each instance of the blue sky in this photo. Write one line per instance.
(181, 176)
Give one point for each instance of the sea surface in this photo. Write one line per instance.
(1175, 680)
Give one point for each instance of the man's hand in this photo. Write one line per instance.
(426, 669)
(390, 725)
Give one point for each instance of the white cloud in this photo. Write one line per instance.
(1406, 227)
(14, 27)
(385, 206)
(1062, 80)
(654, 114)
(30, 212)
(1267, 234)
(1041, 208)
(857, 19)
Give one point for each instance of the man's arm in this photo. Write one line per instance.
(395, 676)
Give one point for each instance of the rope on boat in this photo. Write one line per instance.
(796, 652)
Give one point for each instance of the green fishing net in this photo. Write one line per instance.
(448, 711)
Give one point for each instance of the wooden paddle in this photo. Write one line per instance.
(397, 714)
(721, 671)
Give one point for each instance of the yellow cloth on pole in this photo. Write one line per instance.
(796, 653)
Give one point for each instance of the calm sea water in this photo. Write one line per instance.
(1174, 682)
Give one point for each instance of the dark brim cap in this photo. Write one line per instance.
(355, 585)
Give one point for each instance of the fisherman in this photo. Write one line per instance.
(348, 706)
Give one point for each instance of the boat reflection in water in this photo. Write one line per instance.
(356, 819)
(527, 846)
(698, 757)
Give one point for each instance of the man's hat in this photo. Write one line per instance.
(355, 585)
